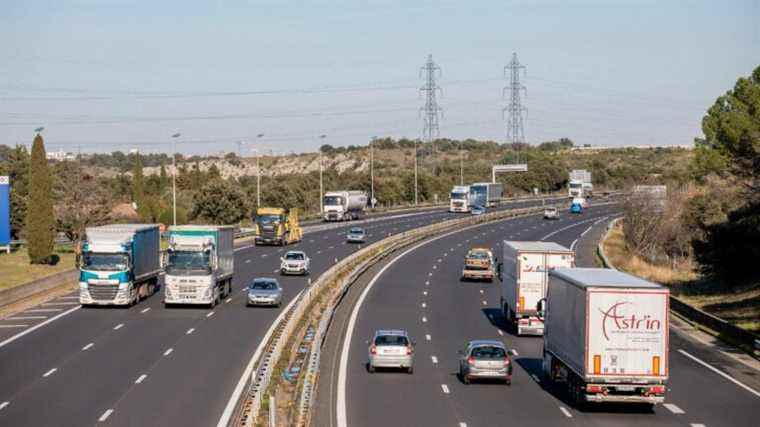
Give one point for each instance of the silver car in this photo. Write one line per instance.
(356, 235)
(485, 359)
(264, 291)
(294, 262)
(390, 348)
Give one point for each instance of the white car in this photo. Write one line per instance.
(295, 262)
(551, 213)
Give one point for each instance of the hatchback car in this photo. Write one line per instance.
(551, 213)
(294, 262)
(485, 359)
(390, 348)
(264, 291)
(356, 235)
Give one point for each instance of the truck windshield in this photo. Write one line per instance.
(458, 196)
(187, 261)
(333, 201)
(268, 219)
(105, 262)
(477, 255)
(576, 185)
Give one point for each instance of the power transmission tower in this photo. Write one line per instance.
(430, 111)
(515, 122)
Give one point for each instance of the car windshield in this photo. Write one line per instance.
(269, 219)
(356, 231)
(105, 262)
(488, 352)
(188, 260)
(478, 255)
(551, 210)
(294, 256)
(381, 340)
(263, 285)
(333, 201)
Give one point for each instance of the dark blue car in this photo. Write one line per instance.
(576, 208)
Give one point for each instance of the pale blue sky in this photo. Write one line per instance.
(118, 74)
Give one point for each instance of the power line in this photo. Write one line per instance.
(431, 110)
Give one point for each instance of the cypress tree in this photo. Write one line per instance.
(40, 222)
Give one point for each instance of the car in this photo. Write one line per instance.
(390, 348)
(295, 262)
(551, 213)
(356, 235)
(576, 208)
(485, 359)
(264, 291)
(477, 210)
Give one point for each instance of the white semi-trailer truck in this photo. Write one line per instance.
(606, 336)
(524, 279)
(199, 265)
(344, 205)
(120, 264)
(579, 183)
(459, 201)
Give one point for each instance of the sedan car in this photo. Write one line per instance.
(551, 213)
(485, 359)
(264, 291)
(356, 235)
(390, 348)
(477, 210)
(294, 262)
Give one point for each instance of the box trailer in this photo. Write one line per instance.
(486, 194)
(606, 336)
(524, 279)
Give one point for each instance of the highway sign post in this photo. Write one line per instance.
(5, 213)
(522, 167)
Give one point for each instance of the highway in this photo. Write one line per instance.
(147, 365)
(420, 291)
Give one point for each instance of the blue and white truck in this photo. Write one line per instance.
(486, 194)
(199, 264)
(120, 264)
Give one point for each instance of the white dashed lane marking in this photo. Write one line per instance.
(210, 314)
(105, 415)
(117, 327)
(424, 319)
(168, 352)
(427, 337)
(445, 388)
(4, 404)
(145, 310)
(50, 372)
(87, 347)
(673, 408)
(190, 331)
(141, 379)
(566, 412)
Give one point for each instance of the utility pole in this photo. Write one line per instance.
(321, 185)
(461, 165)
(415, 171)
(258, 174)
(174, 177)
(515, 122)
(430, 111)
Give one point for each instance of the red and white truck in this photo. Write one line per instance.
(524, 278)
(606, 336)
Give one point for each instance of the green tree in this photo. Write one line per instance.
(163, 180)
(138, 190)
(40, 222)
(15, 164)
(213, 172)
(81, 200)
(218, 202)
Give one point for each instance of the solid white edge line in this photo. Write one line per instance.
(35, 327)
(105, 415)
(719, 372)
(341, 401)
(572, 246)
(230, 408)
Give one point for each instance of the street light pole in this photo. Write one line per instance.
(174, 177)
(258, 174)
(321, 185)
(372, 172)
(461, 166)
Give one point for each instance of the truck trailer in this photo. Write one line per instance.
(344, 205)
(199, 264)
(459, 200)
(524, 279)
(579, 183)
(486, 194)
(606, 336)
(119, 264)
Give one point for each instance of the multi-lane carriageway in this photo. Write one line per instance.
(420, 291)
(147, 365)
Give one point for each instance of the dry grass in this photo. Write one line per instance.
(740, 306)
(15, 268)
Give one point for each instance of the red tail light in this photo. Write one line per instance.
(594, 389)
(506, 361)
(471, 360)
(373, 350)
(658, 389)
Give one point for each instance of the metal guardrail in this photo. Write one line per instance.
(251, 402)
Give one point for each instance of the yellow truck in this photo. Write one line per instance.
(277, 226)
(479, 264)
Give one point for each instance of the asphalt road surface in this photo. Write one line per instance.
(421, 292)
(147, 365)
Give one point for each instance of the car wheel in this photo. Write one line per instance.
(370, 368)
(508, 382)
(410, 370)
(465, 379)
